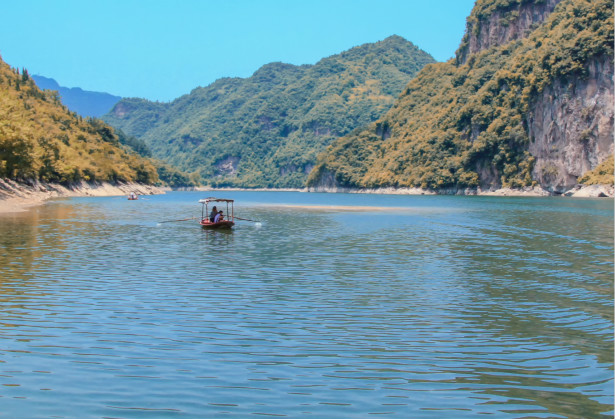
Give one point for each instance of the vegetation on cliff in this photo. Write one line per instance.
(267, 130)
(458, 126)
(41, 139)
(603, 174)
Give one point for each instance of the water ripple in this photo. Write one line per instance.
(441, 307)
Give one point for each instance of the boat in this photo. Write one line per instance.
(229, 220)
(133, 196)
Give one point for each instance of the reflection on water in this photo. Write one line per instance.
(335, 306)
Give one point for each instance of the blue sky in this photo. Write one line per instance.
(160, 50)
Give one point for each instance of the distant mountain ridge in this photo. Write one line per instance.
(267, 130)
(84, 102)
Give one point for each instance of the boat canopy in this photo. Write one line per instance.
(211, 199)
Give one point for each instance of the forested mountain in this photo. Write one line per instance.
(266, 130)
(528, 100)
(83, 102)
(40, 139)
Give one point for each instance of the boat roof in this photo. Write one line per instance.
(212, 199)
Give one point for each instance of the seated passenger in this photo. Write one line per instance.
(219, 217)
(212, 215)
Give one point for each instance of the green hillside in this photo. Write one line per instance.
(267, 130)
(41, 139)
(458, 126)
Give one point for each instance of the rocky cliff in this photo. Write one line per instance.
(571, 126)
(494, 23)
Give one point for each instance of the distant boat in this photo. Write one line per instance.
(133, 196)
(222, 223)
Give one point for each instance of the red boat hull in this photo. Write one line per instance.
(219, 225)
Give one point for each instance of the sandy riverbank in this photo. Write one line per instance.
(591, 191)
(579, 191)
(18, 196)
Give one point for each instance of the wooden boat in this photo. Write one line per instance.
(206, 223)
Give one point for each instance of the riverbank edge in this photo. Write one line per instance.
(19, 196)
(579, 191)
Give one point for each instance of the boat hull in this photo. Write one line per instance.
(214, 226)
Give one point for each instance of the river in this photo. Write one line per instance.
(331, 306)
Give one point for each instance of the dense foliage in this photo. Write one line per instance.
(601, 175)
(458, 126)
(267, 130)
(41, 139)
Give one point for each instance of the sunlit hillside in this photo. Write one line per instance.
(266, 130)
(41, 139)
(489, 117)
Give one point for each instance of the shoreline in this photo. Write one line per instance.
(19, 196)
(579, 191)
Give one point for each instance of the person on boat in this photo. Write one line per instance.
(212, 215)
(219, 217)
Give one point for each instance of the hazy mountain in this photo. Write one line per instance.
(528, 100)
(84, 102)
(267, 130)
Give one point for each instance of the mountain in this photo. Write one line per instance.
(85, 103)
(40, 139)
(528, 100)
(267, 130)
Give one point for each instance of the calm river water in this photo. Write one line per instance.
(334, 306)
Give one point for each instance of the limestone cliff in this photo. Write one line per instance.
(493, 24)
(571, 126)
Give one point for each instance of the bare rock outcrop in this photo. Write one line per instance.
(571, 126)
(502, 26)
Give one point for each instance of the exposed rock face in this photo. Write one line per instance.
(121, 110)
(503, 26)
(571, 123)
(227, 166)
(571, 127)
(591, 191)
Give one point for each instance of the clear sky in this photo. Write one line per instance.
(160, 50)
